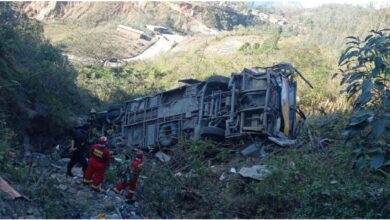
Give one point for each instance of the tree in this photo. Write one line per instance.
(365, 66)
(37, 84)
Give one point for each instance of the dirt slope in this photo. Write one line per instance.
(178, 15)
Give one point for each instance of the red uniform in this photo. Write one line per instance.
(136, 168)
(99, 159)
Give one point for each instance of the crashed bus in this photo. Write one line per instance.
(257, 102)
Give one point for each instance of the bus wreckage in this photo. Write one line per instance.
(257, 103)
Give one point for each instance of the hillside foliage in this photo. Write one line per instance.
(366, 68)
(37, 84)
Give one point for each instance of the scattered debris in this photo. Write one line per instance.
(282, 141)
(325, 142)
(254, 150)
(64, 160)
(12, 154)
(4, 186)
(119, 213)
(62, 187)
(222, 177)
(55, 166)
(127, 212)
(119, 160)
(257, 172)
(178, 174)
(101, 216)
(162, 156)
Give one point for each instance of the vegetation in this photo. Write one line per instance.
(114, 85)
(37, 83)
(226, 19)
(366, 69)
(313, 180)
(330, 24)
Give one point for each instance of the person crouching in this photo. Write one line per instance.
(134, 172)
(99, 160)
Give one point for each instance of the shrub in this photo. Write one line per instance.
(366, 68)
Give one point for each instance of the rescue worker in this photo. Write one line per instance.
(78, 149)
(132, 177)
(98, 162)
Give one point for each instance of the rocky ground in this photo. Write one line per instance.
(65, 197)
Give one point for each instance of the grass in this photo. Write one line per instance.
(311, 180)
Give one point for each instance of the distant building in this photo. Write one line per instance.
(132, 33)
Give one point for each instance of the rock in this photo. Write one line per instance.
(73, 191)
(64, 160)
(41, 159)
(113, 216)
(118, 199)
(30, 211)
(127, 210)
(62, 187)
(254, 150)
(56, 166)
(222, 177)
(257, 172)
(218, 169)
(135, 216)
(162, 156)
(78, 172)
(282, 141)
(74, 214)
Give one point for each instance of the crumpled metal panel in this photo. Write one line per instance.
(5, 187)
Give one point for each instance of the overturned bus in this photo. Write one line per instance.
(257, 102)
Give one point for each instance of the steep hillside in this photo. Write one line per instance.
(91, 27)
(39, 97)
(179, 15)
(329, 25)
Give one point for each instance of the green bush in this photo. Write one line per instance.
(37, 83)
(365, 67)
(113, 85)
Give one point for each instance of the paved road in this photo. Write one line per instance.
(165, 43)
(162, 45)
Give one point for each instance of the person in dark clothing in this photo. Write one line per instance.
(78, 149)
